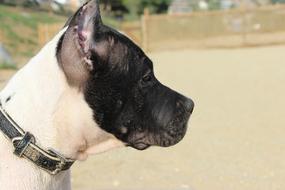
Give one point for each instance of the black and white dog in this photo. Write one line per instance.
(87, 91)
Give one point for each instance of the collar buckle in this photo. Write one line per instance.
(21, 143)
(25, 147)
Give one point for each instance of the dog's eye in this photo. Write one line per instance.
(147, 78)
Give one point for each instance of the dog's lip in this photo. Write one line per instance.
(140, 145)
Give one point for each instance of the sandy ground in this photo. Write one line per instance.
(236, 136)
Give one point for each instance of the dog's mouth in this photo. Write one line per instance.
(140, 146)
(169, 136)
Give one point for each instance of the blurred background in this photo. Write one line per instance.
(228, 55)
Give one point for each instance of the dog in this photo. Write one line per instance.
(89, 90)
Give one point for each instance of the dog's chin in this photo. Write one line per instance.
(140, 146)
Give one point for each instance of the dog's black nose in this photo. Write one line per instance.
(189, 105)
(186, 104)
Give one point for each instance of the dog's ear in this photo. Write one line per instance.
(79, 41)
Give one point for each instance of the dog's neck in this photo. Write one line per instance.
(40, 100)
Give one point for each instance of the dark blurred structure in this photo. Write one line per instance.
(114, 8)
(21, 2)
(49, 5)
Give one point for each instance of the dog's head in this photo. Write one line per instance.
(119, 84)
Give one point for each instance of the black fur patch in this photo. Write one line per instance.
(124, 94)
(128, 101)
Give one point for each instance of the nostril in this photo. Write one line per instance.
(189, 105)
(179, 104)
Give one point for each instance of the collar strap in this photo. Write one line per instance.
(25, 147)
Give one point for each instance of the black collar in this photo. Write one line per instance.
(25, 147)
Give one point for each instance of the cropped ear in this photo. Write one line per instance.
(74, 49)
(71, 20)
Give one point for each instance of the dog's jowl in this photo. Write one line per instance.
(89, 90)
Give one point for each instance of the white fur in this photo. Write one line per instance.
(45, 105)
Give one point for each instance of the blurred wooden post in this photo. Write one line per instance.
(244, 22)
(40, 34)
(43, 34)
(74, 5)
(46, 32)
(50, 7)
(1, 36)
(144, 23)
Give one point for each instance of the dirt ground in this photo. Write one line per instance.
(236, 135)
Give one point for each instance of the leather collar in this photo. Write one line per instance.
(26, 147)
